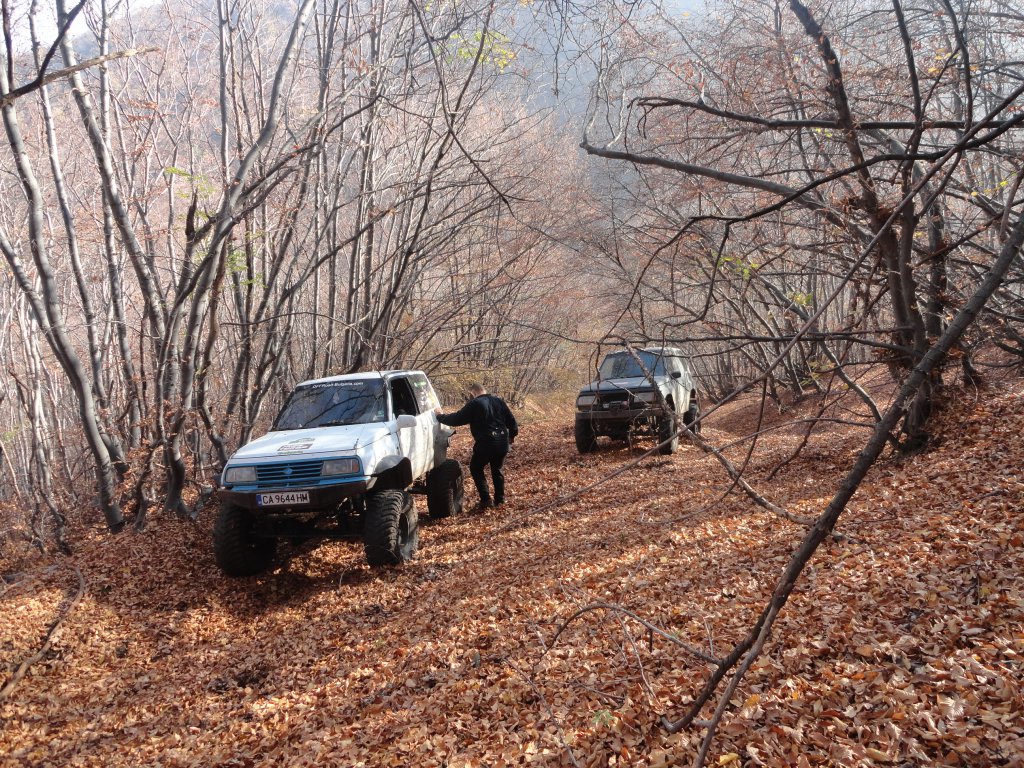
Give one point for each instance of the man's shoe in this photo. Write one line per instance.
(499, 502)
(484, 504)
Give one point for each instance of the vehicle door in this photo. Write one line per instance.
(679, 383)
(687, 379)
(427, 400)
(417, 442)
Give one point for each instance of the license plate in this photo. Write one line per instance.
(282, 499)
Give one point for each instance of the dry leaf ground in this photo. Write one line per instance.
(903, 645)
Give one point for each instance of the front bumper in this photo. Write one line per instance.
(598, 416)
(320, 497)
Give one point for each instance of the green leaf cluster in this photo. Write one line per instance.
(738, 265)
(494, 47)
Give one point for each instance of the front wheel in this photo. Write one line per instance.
(391, 533)
(667, 435)
(691, 416)
(236, 548)
(586, 440)
(445, 489)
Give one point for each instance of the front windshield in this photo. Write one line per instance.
(334, 403)
(621, 365)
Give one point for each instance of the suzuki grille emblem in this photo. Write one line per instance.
(287, 471)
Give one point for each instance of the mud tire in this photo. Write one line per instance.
(667, 430)
(586, 439)
(391, 533)
(445, 489)
(236, 548)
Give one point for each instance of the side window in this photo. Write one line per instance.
(426, 400)
(402, 399)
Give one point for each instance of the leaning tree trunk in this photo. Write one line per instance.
(46, 309)
(745, 652)
(206, 275)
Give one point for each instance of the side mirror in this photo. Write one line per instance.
(405, 421)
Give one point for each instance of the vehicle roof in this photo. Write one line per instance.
(663, 351)
(358, 376)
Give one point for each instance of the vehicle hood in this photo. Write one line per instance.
(313, 443)
(633, 384)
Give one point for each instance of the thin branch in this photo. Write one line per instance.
(746, 651)
(45, 79)
(662, 102)
(618, 609)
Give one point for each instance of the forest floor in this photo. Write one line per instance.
(903, 644)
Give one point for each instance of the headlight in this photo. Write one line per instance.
(340, 467)
(646, 397)
(234, 475)
(585, 400)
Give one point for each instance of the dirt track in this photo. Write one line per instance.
(903, 644)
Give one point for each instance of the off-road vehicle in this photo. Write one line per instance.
(624, 401)
(341, 461)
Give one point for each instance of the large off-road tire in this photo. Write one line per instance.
(586, 440)
(236, 548)
(445, 489)
(391, 533)
(692, 414)
(667, 434)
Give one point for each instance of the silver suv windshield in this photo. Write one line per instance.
(335, 403)
(621, 365)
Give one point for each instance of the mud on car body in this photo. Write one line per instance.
(342, 461)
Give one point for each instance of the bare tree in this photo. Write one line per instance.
(814, 211)
(252, 198)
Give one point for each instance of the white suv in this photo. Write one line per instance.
(341, 461)
(626, 398)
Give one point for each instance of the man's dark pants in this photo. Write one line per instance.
(493, 454)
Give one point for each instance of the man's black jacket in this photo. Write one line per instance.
(489, 419)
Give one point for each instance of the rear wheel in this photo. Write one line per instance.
(667, 435)
(236, 547)
(586, 440)
(445, 489)
(391, 533)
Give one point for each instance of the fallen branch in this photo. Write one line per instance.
(639, 620)
(27, 663)
(689, 431)
(748, 649)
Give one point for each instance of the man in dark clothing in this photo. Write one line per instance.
(493, 428)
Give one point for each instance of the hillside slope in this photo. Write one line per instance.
(904, 643)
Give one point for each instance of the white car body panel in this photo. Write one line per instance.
(418, 443)
(378, 445)
(312, 443)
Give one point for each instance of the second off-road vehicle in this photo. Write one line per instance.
(341, 461)
(624, 399)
